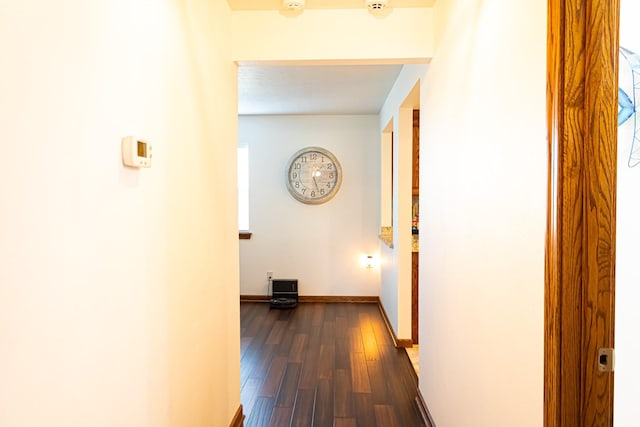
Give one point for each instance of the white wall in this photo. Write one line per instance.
(482, 215)
(627, 376)
(333, 35)
(117, 286)
(395, 294)
(320, 245)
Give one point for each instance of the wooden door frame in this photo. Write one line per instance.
(582, 70)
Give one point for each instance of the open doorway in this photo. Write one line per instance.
(279, 99)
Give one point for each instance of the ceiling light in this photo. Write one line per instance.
(293, 4)
(376, 4)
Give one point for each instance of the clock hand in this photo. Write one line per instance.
(315, 182)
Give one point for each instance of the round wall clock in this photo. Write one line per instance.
(314, 175)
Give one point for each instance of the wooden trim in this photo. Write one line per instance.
(356, 299)
(415, 297)
(403, 343)
(254, 298)
(399, 343)
(312, 298)
(582, 63)
(238, 418)
(244, 235)
(424, 410)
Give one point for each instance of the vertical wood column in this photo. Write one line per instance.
(580, 255)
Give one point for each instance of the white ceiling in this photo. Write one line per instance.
(325, 89)
(323, 4)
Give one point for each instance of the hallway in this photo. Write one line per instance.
(323, 364)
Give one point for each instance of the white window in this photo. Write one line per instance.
(243, 188)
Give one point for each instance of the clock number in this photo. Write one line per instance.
(297, 166)
(331, 176)
(313, 194)
(303, 159)
(322, 191)
(297, 185)
(294, 175)
(330, 166)
(328, 185)
(314, 156)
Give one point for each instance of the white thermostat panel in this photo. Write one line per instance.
(136, 152)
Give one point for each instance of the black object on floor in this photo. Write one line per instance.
(284, 293)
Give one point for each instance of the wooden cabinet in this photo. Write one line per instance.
(414, 297)
(416, 152)
(414, 255)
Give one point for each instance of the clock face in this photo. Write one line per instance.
(314, 175)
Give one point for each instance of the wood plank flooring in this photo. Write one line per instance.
(323, 365)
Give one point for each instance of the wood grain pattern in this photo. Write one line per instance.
(385, 416)
(359, 374)
(355, 341)
(249, 393)
(415, 296)
(323, 409)
(238, 418)
(303, 409)
(378, 383)
(344, 298)
(415, 180)
(275, 336)
(343, 405)
(404, 343)
(331, 364)
(580, 258)
(342, 353)
(326, 363)
(297, 348)
(344, 422)
(601, 108)
(280, 416)
(364, 407)
(261, 412)
(309, 369)
(272, 382)
(287, 392)
(368, 339)
(315, 298)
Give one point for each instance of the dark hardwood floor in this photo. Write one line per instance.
(323, 365)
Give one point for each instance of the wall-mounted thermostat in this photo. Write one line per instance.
(136, 152)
